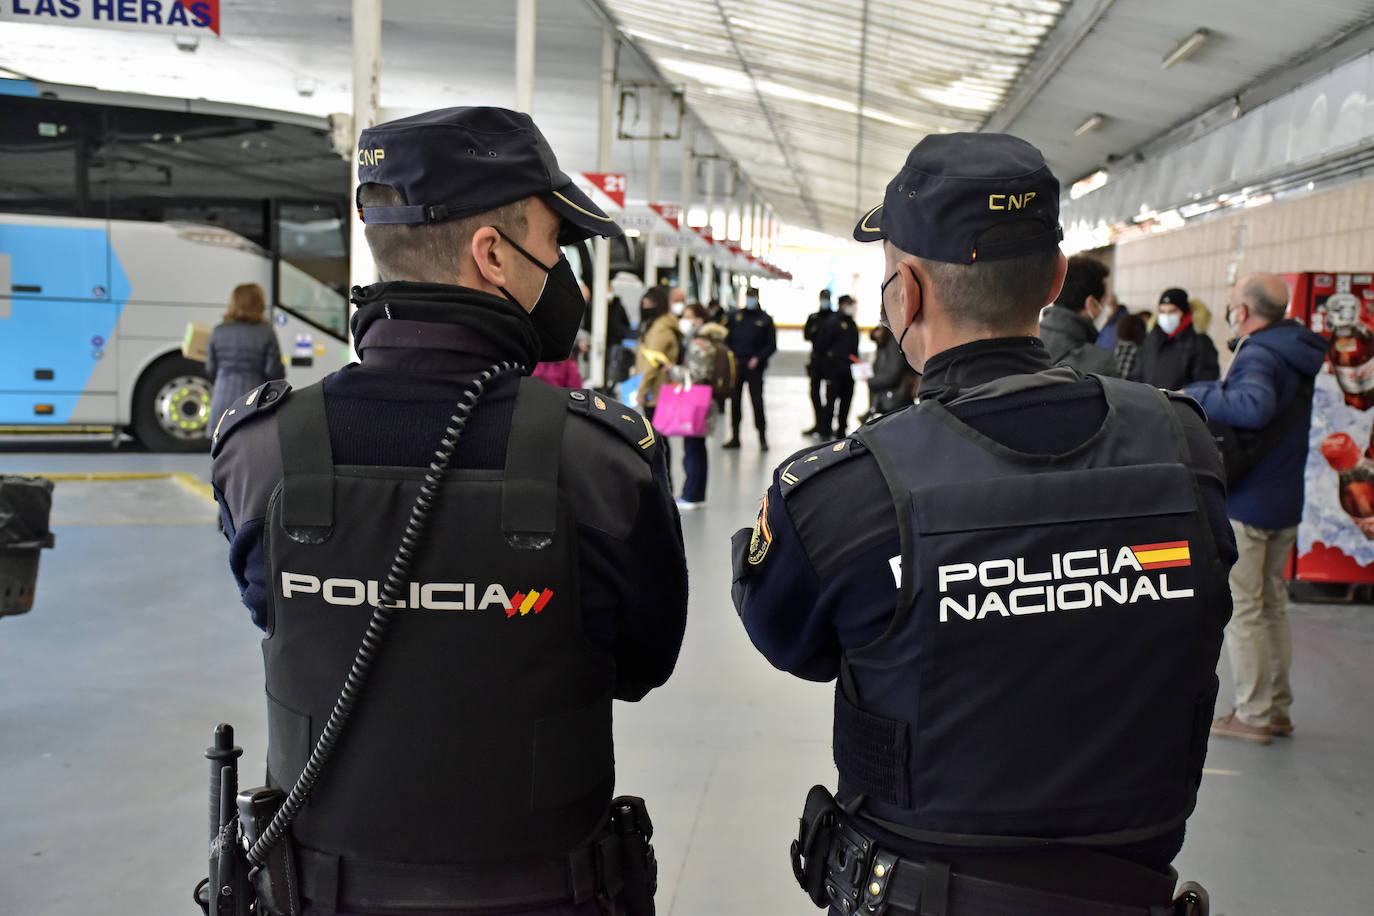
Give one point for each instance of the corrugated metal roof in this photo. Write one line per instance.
(1116, 70)
(820, 100)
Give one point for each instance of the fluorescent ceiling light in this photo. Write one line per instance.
(1088, 185)
(723, 80)
(1186, 48)
(1093, 123)
(1170, 219)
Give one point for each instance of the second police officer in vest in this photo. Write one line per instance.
(1020, 584)
(476, 773)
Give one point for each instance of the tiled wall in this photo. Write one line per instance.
(1331, 231)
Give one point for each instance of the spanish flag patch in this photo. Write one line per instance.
(762, 538)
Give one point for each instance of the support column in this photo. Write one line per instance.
(601, 270)
(655, 159)
(689, 171)
(708, 265)
(735, 213)
(367, 61)
(524, 56)
(746, 222)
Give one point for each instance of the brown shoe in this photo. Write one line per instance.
(1229, 726)
(1281, 726)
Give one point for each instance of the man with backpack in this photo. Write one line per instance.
(1266, 394)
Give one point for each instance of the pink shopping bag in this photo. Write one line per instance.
(682, 410)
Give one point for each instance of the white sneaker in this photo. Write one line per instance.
(684, 505)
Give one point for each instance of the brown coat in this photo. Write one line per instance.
(659, 349)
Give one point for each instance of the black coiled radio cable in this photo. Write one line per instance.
(382, 614)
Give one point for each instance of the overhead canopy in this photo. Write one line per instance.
(820, 100)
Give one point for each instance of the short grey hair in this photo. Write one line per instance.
(1254, 292)
(996, 295)
(430, 252)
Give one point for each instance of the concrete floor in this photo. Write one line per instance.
(137, 646)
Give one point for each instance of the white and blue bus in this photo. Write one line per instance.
(123, 218)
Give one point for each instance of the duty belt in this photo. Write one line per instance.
(841, 867)
(332, 883)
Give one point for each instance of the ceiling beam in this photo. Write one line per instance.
(802, 192)
(701, 127)
(1074, 26)
(859, 143)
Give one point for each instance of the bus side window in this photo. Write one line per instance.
(55, 160)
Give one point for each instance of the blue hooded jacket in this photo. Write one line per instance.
(1265, 374)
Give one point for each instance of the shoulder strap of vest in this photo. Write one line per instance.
(307, 461)
(529, 490)
(622, 420)
(906, 533)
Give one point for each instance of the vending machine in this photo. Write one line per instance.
(1336, 537)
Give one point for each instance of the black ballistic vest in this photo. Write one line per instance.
(1047, 671)
(484, 732)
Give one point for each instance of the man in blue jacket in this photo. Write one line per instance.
(1273, 358)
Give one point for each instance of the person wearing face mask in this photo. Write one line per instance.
(1068, 327)
(1019, 596)
(837, 346)
(660, 345)
(753, 337)
(701, 342)
(1107, 323)
(1175, 352)
(815, 366)
(463, 781)
(1267, 392)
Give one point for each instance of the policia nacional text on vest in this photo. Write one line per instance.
(481, 793)
(977, 719)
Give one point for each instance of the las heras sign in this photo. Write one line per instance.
(178, 16)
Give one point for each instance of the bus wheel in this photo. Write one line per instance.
(171, 409)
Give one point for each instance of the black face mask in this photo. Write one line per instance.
(882, 316)
(557, 313)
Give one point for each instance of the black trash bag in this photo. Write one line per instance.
(25, 507)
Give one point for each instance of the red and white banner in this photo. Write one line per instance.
(671, 213)
(606, 189)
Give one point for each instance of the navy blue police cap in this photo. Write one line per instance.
(456, 162)
(955, 187)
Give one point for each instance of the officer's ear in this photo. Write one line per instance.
(913, 290)
(489, 256)
(1061, 269)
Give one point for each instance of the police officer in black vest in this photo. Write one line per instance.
(1019, 583)
(811, 332)
(475, 774)
(753, 338)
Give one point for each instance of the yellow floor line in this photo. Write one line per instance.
(98, 475)
(188, 482)
(195, 486)
(114, 523)
(1213, 771)
(57, 431)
